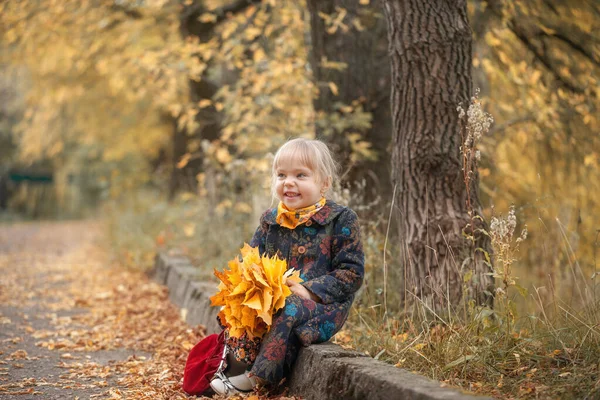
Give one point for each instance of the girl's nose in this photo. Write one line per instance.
(288, 181)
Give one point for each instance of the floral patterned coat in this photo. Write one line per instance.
(328, 252)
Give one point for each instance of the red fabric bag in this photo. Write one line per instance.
(202, 363)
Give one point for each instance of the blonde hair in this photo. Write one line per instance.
(312, 154)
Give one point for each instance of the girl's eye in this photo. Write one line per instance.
(301, 175)
(280, 175)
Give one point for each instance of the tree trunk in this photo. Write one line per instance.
(430, 50)
(365, 79)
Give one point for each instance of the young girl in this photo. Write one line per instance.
(322, 240)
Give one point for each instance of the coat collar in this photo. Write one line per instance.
(324, 216)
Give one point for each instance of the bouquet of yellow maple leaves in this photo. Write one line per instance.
(251, 291)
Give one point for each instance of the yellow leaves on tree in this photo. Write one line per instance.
(272, 100)
(99, 75)
(251, 291)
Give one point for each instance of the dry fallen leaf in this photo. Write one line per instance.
(123, 310)
(18, 355)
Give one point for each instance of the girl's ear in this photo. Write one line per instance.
(325, 185)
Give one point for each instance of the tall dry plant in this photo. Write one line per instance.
(476, 268)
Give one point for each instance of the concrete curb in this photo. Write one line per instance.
(177, 273)
(322, 371)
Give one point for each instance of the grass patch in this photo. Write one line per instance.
(142, 224)
(541, 359)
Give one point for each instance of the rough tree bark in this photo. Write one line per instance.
(366, 78)
(430, 51)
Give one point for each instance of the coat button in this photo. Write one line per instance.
(308, 223)
(301, 249)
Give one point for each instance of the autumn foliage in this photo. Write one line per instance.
(251, 291)
(122, 99)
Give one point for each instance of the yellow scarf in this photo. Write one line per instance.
(292, 218)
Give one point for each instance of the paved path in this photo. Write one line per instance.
(74, 326)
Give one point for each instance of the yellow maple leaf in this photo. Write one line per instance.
(253, 300)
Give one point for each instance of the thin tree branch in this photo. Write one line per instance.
(542, 57)
(129, 11)
(515, 121)
(539, 54)
(590, 54)
(551, 7)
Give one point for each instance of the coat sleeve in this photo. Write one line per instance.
(260, 235)
(348, 262)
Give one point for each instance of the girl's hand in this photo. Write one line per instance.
(301, 291)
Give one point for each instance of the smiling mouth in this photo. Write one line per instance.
(291, 194)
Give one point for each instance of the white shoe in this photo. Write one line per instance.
(224, 385)
(243, 382)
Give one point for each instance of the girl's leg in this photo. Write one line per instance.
(235, 367)
(280, 346)
(235, 377)
(242, 352)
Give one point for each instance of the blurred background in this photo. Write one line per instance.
(161, 118)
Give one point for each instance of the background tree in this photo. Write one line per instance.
(197, 22)
(430, 50)
(351, 72)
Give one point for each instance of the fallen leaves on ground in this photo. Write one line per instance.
(117, 308)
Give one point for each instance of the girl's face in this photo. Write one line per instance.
(296, 185)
